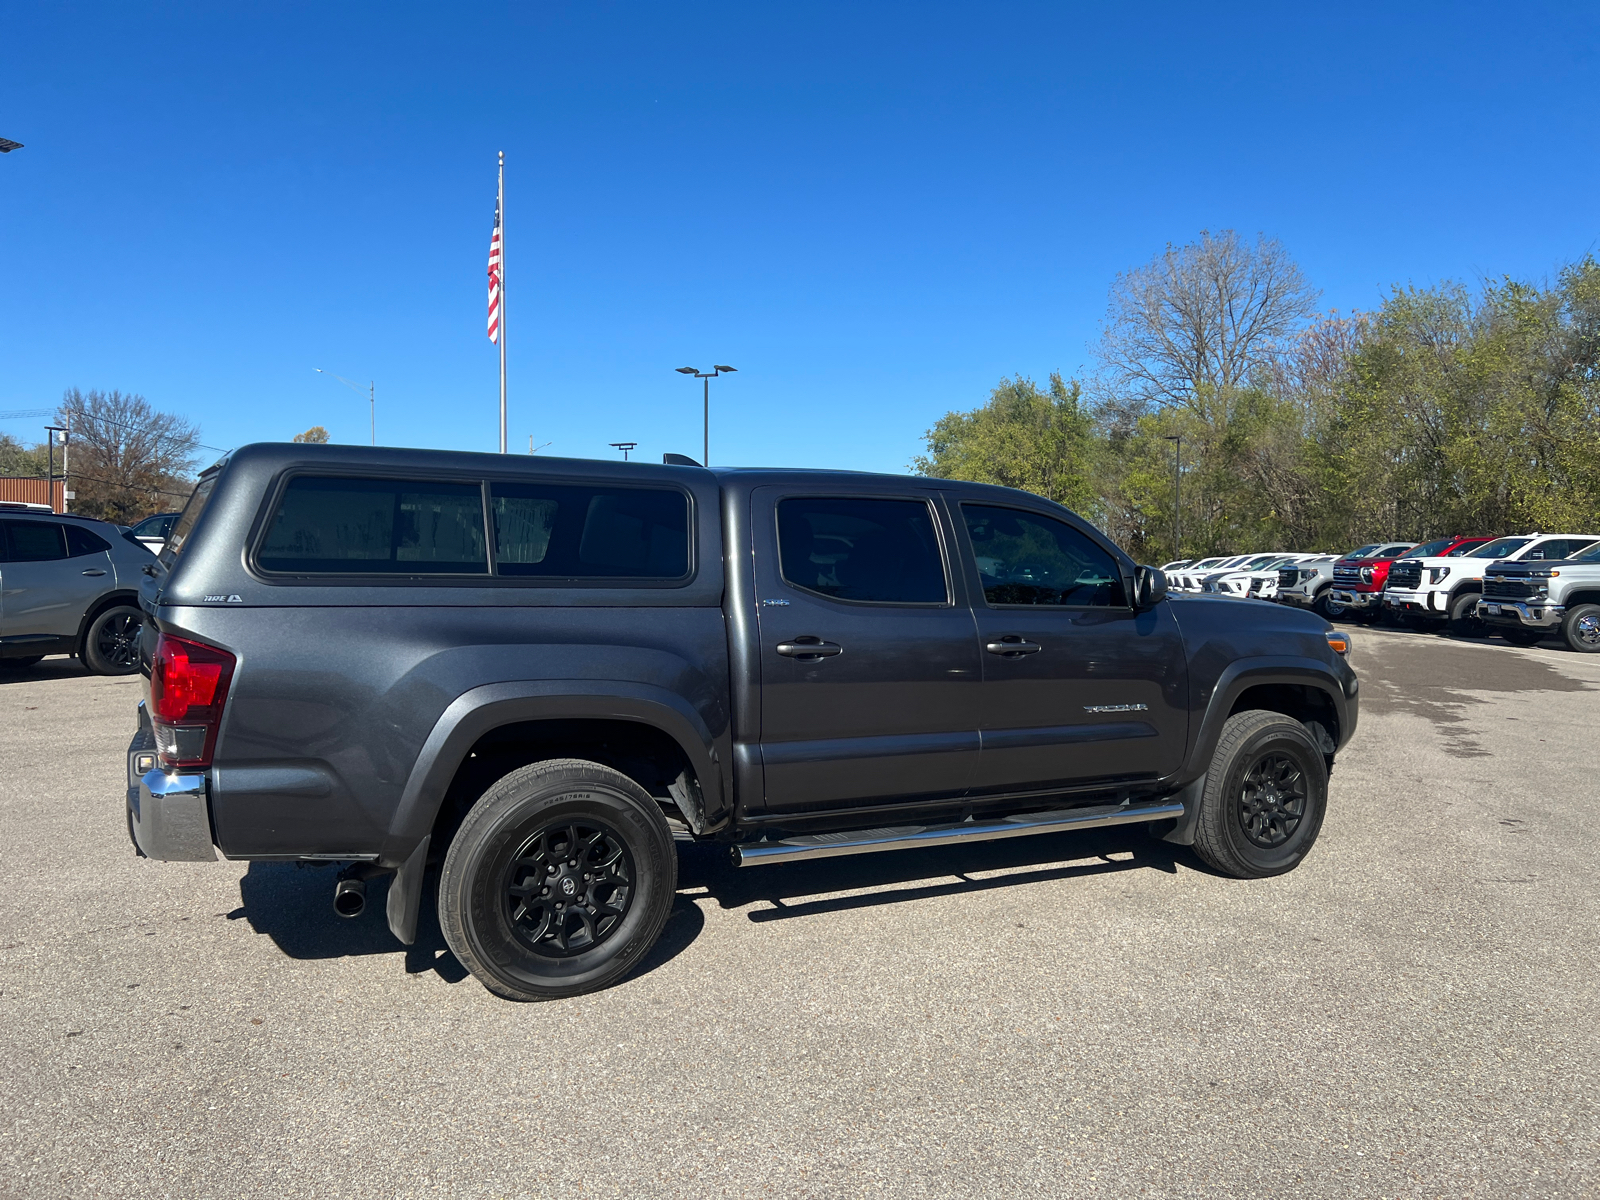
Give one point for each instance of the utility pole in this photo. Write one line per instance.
(1177, 482)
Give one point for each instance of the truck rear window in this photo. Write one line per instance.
(575, 531)
(331, 526)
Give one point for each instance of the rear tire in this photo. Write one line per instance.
(1464, 620)
(1264, 799)
(111, 644)
(558, 882)
(1580, 628)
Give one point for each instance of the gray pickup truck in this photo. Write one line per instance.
(517, 679)
(1525, 601)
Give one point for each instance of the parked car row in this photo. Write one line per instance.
(1523, 587)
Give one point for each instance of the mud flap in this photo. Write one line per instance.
(405, 893)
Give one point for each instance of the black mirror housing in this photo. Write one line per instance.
(1149, 586)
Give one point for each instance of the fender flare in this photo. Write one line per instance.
(482, 709)
(485, 708)
(1246, 673)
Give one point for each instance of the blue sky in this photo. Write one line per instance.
(874, 211)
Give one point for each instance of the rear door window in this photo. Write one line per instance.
(33, 541)
(577, 531)
(339, 526)
(866, 549)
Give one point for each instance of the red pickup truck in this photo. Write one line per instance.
(1358, 582)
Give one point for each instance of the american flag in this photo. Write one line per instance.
(494, 278)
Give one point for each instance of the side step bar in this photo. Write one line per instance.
(870, 841)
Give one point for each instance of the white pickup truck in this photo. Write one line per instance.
(1447, 590)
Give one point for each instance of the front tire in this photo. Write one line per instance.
(558, 882)
(1464, 620)
(1264, 798)
(111, 643)
(1325, 606)
(1580, 628)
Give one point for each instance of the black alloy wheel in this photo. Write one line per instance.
(559, 880)
(1272, 800)
(569, 887)
(1264, 797)
(111, 644)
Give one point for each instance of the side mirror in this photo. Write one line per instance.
(1149, 587)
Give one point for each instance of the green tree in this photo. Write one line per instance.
(1038, 441)
(17, 459)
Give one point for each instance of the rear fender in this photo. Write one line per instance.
(485, 708)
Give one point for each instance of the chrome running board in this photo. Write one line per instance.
(870, 841)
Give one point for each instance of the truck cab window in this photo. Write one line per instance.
(856, 548)
(1025, 558)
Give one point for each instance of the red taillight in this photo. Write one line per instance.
(188, 687)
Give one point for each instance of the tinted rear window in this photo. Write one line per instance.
(862, 548)
(81, 541)
(575, 531)
(328, 526)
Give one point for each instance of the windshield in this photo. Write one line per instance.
(1430, 549)
(1592, 554)
(1394, 551)
(1207, 562)
(1500, 547)
(1362, 551)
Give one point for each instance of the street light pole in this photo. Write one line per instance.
(708, 376)
(1177, 482)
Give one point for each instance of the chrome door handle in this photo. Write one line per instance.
(1013, 647)
(809, 649)
(94, 571)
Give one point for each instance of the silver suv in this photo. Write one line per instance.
(70, 585)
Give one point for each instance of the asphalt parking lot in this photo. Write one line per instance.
(1412, 1013)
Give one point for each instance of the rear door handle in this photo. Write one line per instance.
(1012, 646)
(808, 649)
(94, 571)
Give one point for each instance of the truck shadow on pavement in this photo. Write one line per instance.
(293, 905)
(874, 880)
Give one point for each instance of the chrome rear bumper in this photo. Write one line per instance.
(169, 814)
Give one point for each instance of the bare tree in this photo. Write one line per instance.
(127, 459)
(1207, 316)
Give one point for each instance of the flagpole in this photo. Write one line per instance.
(502, 302)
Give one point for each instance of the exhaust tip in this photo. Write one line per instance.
(350, 897)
